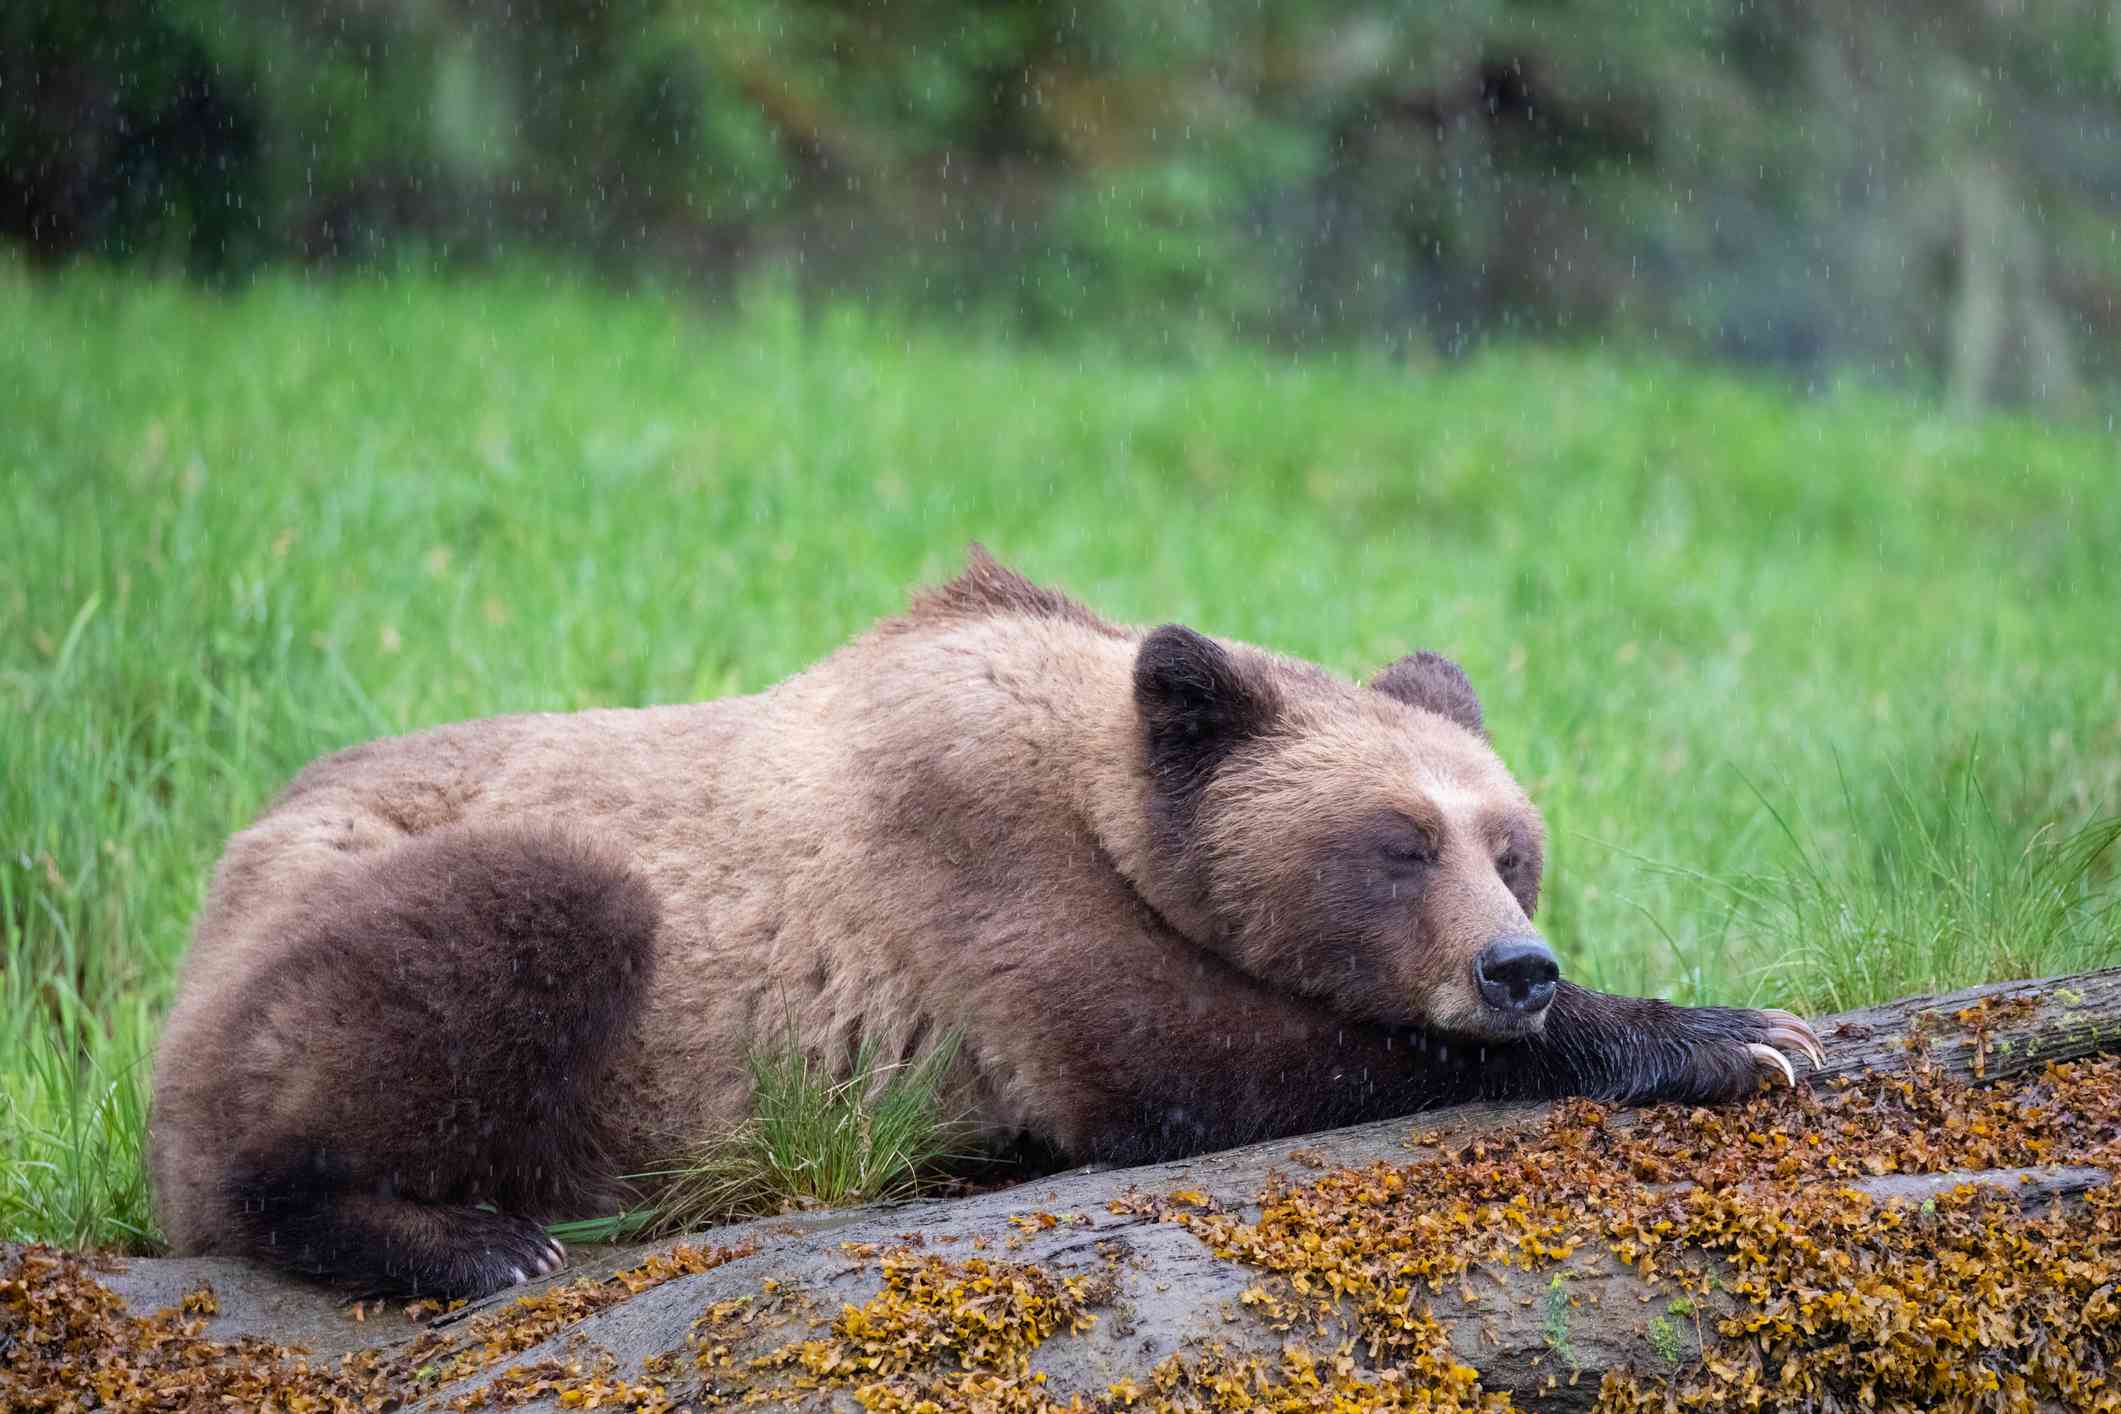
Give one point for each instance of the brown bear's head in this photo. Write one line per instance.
(1361, 845)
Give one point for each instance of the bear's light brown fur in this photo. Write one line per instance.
(1174, 893)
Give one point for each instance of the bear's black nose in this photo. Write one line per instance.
(1517, 974)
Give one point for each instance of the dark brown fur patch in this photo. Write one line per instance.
(434, 1036)
(1199, 705)
(1271, 1082)
(1433, 683)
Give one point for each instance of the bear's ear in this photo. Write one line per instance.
(1197, 703)
(1435, 684)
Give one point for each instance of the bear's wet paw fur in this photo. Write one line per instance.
(483, 1252)
(388, 1245)
(1740, 1049)
(447, 1252)
(1639, 1052)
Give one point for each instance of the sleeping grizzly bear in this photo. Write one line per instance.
(1174, 893)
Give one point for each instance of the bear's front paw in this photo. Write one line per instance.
(1704, 1055)
(1781, 1031)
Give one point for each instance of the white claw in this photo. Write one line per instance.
(1791, 1032)
(517, 1272)
(1782, 1038)
(1769, 1056)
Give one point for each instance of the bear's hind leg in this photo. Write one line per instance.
(425, 1063)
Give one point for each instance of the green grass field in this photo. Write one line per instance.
(1820, 696)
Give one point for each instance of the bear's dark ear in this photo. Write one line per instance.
(1436, 684)
(1196, 704)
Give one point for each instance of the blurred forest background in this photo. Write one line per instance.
(1924, 194)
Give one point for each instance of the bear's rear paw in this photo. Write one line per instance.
(475, 1253)
(380, 1245)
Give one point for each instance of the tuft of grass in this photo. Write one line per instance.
(73, 1108)
(73, 1136)
(1554, 1321)
(816, 1138)
(1939, 889)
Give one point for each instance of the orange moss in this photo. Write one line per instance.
(1429, 1380)
(1961, 1302)
(67, 1343)
(940, 1334)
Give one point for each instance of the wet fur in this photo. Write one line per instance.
(1178, 893)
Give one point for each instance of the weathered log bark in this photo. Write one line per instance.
(2028, 1025)
(1166, 1293)
(1549, 1336)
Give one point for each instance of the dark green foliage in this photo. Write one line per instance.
(121, 134)
(1767, 183)
(1802, 185)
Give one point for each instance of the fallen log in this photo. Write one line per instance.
(1981, 1034)
(1473, 1252)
